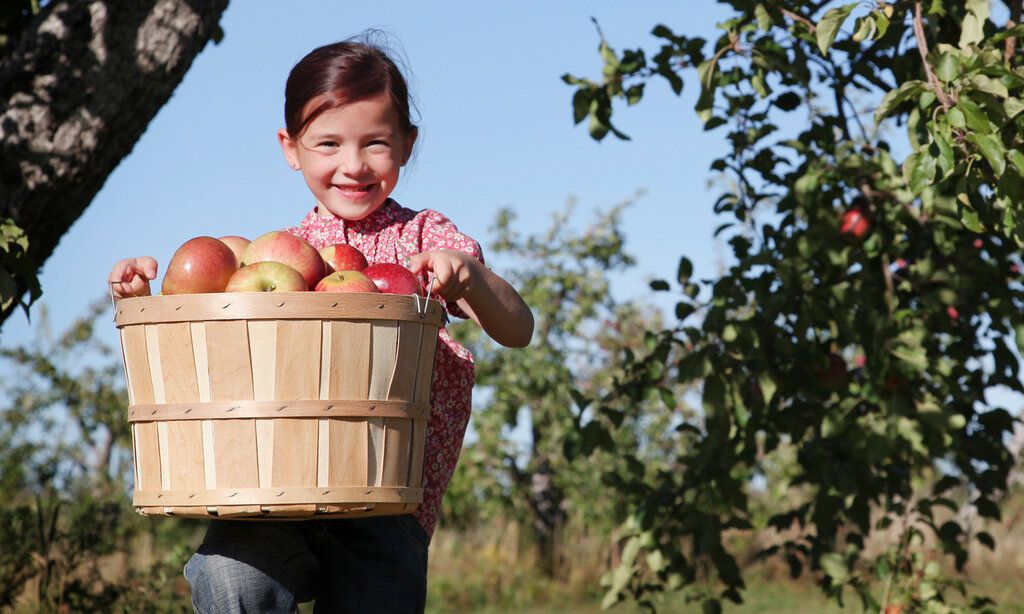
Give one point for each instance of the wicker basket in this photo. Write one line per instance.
(278, 405)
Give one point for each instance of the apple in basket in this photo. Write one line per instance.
(346, 281)
(268, 276)
(237, 245)
(286, 248)
(343, 257)
(201, 264)
(393, 278)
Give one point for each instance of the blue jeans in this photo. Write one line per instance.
(376, 564)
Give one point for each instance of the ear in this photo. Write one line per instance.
(410, 140)
(289, 148)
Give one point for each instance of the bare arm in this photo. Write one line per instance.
(487, 299)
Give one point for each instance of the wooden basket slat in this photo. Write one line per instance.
(230, 371)
(273, 306)
(147, 456)
(424, 374)
(347, 464)
(347, 374)
(382, 369)
(297, 368)
(419, 439)
(350, 361)
(230, 374)
(263, 358)
(177, 363)
(294, 465)
(298, 377)
(156, 376)
(397, 448)
(136, 364)
(403, 380)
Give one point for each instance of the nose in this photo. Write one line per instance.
(351, 161)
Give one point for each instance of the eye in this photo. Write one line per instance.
(377, 143)
(327, 144)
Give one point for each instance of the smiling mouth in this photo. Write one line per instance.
(356, 188)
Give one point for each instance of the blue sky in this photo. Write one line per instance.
(496, 130)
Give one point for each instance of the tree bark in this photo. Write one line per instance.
(76, 93)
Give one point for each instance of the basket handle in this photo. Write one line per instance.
(421, 309)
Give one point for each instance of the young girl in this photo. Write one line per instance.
(348, 131)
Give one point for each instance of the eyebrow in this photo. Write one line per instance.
(332, 135)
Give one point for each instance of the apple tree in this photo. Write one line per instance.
(79, 83)
(868, 347)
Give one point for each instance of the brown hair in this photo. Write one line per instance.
(339, 74)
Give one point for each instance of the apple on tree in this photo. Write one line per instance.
(237, 245)
(343, 257)
(267, 276)
(346, 281)
(201, 264)
(854, 224)
(394, 278)
(286, 248)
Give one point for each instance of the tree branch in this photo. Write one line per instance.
(922, 48)
(1010, 46)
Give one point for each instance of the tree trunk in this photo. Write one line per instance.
(77, 91)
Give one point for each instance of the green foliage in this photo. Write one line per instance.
(549, 477)
(65, 473)
(17, 271)
(869, 356)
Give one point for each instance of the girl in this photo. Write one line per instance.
(348, 131)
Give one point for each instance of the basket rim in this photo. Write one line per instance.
(308, 305)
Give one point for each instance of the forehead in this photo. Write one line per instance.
(376, 113)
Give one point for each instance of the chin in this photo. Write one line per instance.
(350, 211)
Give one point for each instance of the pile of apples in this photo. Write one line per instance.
(279, 261)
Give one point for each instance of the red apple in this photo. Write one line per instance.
(854, 224)
(346, 281)
(286, 248)
(343, 257)
(202, 264)
(268, 276)
(952, 312)
(237, 245)
(393, 278)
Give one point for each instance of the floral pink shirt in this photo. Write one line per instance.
(394, 234)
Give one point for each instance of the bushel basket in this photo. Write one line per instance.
(274, 405)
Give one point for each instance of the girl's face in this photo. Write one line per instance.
(350, 156)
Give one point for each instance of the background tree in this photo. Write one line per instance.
(79, 83)
(69, 538)
(869, 302)
(565, 274)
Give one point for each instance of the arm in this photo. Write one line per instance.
(131, 276)
(487, 299)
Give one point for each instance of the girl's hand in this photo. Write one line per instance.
(131, 277)
(455, 273)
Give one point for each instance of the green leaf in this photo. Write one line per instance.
(764, 20)
(894, 98)
(1012, 107)
(989, 85)
(829, 25)
(956, 118)
(685, 270)
(947, 67)
(864, 28)
(581, 102)
(834, 565)
(992, 149)
(1017, 159)
(659, 285)
(969, 218)
(974, 116)
(919, 170)
(881, 23)
(972, 30)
